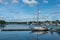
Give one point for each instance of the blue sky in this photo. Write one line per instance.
(26, 10)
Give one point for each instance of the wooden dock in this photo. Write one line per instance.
(21, 30)
(15, 29)
(28, 29)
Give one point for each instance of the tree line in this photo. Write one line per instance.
(4, 22)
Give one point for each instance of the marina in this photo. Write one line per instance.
(32, 29)
(6, 33)
(29, 19)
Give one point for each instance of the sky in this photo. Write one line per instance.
(26, 10)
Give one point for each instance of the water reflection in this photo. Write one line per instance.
(2, 26)
(58, 33)
(39, 32)
(27, 35)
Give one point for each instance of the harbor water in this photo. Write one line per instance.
(27, 35)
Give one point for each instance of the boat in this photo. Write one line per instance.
(39, 27)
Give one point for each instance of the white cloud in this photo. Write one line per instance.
(1, 16)
(1, 1)
(45, 1)
(30, 3)
(58, 5)
(15, 1)
(6, 3)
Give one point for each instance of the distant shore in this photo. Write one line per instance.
(56, 22)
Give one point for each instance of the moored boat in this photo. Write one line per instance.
(41, 28)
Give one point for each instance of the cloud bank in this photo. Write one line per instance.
(30, 2)
(15, 1)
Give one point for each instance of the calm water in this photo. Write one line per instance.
(27, 35)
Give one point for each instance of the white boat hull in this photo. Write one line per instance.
(39, 29)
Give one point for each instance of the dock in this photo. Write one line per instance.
(22, 30)
(16, 29)
(28, 29)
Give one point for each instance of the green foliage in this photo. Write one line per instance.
(40, 22)
(2, 22)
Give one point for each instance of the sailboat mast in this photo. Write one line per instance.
(38, 11)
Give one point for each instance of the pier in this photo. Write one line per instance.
(28, 29)
(15, 29)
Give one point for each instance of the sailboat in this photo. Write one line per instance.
(39, 27)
